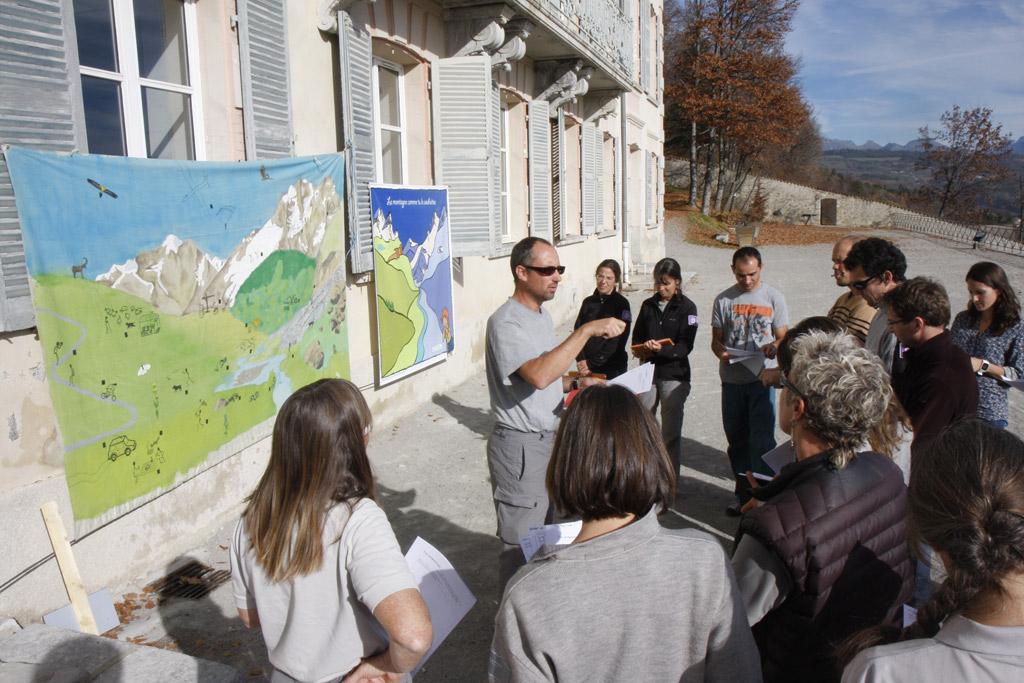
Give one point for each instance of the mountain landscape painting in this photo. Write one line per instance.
(412, 270)
(178, 304)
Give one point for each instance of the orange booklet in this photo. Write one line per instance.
(664, 342)
(575, 374)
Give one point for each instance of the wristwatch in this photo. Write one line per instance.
(985, 365)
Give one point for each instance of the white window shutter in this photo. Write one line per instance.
(619, 181)
(645, 45)
(355, 52)
(588, 181)
(661, 189)
(648, 189)
(599, 180)
(37, 83)
(557, 174)
(498, 246)
(463, 140)
(266, 106)
(540, 169)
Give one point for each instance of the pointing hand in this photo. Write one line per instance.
(606, 327)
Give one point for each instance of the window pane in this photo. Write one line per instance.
(388, 83)
(168, 120)
(391, 156)
(160, 34)
(94, 24)
(104, 127)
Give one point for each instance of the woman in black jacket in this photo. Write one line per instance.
(605, 356)
(669, 314)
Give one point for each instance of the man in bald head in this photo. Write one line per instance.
(851, 311)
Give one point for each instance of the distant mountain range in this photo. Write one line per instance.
(832, 145)
(178, 277)
(916, 145)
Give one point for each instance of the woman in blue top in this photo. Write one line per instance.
(992, 333)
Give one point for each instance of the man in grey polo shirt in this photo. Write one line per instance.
(525, 368)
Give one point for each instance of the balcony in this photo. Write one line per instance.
(597, 28)
(594, 30)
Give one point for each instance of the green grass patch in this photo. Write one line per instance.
(167, 367)
(272, 294)
(399, 318)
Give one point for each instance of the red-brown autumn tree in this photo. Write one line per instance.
(966, 157)
(730, 90)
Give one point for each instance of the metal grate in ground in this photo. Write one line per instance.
(192, 581)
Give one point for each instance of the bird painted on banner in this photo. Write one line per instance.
(102, 188)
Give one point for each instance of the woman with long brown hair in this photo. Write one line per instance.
(992, 334)
(967, 502)
(314, 561)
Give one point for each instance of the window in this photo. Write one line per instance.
(506, 219)
(140, 77)
(389, 122)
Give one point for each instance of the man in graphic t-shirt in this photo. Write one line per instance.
(748, 321)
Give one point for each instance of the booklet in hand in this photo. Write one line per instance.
(664, 342)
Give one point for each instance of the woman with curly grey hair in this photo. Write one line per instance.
(821, 552)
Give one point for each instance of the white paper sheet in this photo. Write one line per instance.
(550, 535)
(754, 361)
(102, 611)
(780, 456)
(447, 596)
(638, 380)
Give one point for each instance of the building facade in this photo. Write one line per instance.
(542, 117)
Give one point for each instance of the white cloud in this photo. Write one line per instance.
(878, 67)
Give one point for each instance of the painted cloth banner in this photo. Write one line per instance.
(178, 304)
(412, 273)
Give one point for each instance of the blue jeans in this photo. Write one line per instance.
(998, 424)
(748, 416)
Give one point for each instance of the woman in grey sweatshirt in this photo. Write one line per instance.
(628, 599)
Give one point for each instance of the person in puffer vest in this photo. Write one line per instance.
(821, 551)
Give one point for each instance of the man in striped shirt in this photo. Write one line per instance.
(850, 311)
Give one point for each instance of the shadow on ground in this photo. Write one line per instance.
(463, 657)
(474, 419)
(199, 627)
(707, 459)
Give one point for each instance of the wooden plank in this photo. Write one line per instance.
(68, 568)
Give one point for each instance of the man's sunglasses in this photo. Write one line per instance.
(861, 285)
(546, 271)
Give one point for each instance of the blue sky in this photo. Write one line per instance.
(881, 69)
(215, 204)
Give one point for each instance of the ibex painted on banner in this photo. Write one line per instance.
(80, 268)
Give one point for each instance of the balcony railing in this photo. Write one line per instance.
(600, 24)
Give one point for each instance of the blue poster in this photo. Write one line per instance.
(412, 269)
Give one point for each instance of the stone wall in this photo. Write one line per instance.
(792, 203)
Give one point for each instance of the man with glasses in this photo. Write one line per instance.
(850, 311)
(938, 386)
(874, 268)
(525, 368)
(750, 316)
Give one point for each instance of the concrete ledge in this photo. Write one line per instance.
(43, 653)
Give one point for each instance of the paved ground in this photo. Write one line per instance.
(434, 477)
